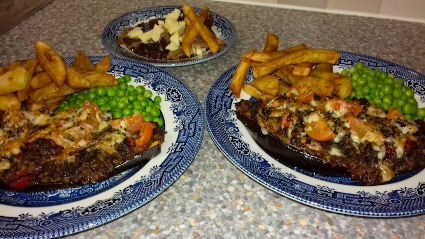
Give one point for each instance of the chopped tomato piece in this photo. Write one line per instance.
(365, 132)
(317, 128)
(146, 132)
(284, 124)
(349, 107)
(393, 114)
(134, 122)
(303, 93)
(389, 151)
(409, 146)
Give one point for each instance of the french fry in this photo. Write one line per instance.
(13, 80)
(267, 83)
(99, 79)
(269, 56)
(252, 91)
(12, 66)
(103, 65)
(283, 88)
(343, 87)
(83, 62)
(303, 56)
(191, 33)
(272, 43)
(51, 62)
(51, 91)
(324, 74)
(9, 102)
(29, 66)
(202, 30)
(54, 103)
(33, 106)
(324, 67)
(39, 80)
(302, 69)
(319, 86)
(75, 79)
(282, 76)
(239, 76)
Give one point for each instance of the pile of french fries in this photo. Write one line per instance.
(194, 27)
(275, 71)
(45, 81)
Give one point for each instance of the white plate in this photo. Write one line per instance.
(62, 212)
(113, 30)
(402, 196)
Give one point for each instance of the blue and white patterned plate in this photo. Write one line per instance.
(62, 212)
(113, 30)
(403, 196)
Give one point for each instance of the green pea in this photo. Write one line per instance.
(113, 103)
(365, 90)
(140, 89)
(412, 101)
(127, 112)
(362, 81)
(391, 76)
(138, 107)
(407, 109)
(120, 93)
(344, 73)
(91, 96)
(117, 114)
(144, 102)
(123, 86)
(159, 121)
(121, 105)
(397, 93)
(387, 89)
(127, 78)
(377, 101)
(355, 76)
(130, 88)
(157, 99)
(100, 91)
(148, 108)
(147, 94)
(385, 106)
(155, 112)
(121, 80)
(111, 92)
(105, 107)
(136, 111)
(400, 102)
(147, 117)
(409, 93)
(359, 65)
(140, 97)
(382, 76)
(374, 93)
(351, 70)
(100, 102)
(132, 98)
(387, 99)
(372, 84)
(421, 113)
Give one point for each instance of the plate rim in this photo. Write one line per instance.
(227, 47)
(197, 139)
(224, 77)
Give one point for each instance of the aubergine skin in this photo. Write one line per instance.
(287, 154)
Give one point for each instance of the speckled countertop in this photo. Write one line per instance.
(214, 199)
